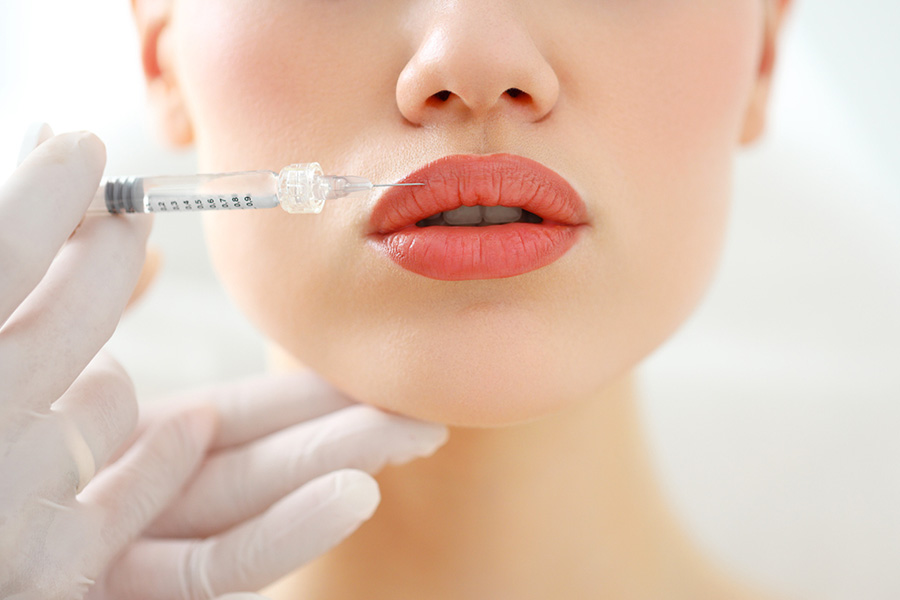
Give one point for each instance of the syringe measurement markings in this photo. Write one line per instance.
(199, 204)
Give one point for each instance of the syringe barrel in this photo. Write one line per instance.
(187, 193)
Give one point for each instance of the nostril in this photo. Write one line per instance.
(442, 96)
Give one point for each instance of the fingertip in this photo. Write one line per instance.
(202, 422)
(92, 145)
(438, 434)
(425, 438)
(357, 492)
(80, 155)
(295, 530)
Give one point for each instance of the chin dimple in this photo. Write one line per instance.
(478, 216)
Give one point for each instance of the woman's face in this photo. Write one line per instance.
(638, 104)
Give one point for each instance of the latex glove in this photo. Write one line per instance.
(249, 515)
(65, 409)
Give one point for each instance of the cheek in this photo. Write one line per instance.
(257, 85)
(662, 110)
(266, 86)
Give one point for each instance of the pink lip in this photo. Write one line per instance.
(459, 253)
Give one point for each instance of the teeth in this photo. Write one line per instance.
(437, 219)
(464, 215)
(480, 216)
(501, 214)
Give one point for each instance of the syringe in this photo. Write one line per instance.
(300, 188)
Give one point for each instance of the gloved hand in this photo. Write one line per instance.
(225, 490)
(275, 491)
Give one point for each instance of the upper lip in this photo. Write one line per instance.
(486, 180)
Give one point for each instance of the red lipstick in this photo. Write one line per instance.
(455, 253)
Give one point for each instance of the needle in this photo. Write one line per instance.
(394, 184)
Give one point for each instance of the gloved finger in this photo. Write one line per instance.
(237, 484)
(149, 270)
(37, 134)
(128, 495)
(102, 407)
(40, 205)
(291, 533)
(254, 407)
(73, 311)
(34, 459)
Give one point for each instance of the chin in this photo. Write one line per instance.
(486, 378)
(469, 399)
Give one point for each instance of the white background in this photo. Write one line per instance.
(773, 415)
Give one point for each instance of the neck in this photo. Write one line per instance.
(558, 508)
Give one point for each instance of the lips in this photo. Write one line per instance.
(486, 252)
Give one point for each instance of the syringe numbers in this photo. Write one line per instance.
(199, 204)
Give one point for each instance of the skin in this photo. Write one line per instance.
(640, 105)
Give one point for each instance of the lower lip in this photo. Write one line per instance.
(490, 252)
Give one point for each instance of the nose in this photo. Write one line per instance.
(476, 58)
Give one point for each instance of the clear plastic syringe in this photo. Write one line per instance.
(300, 188)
